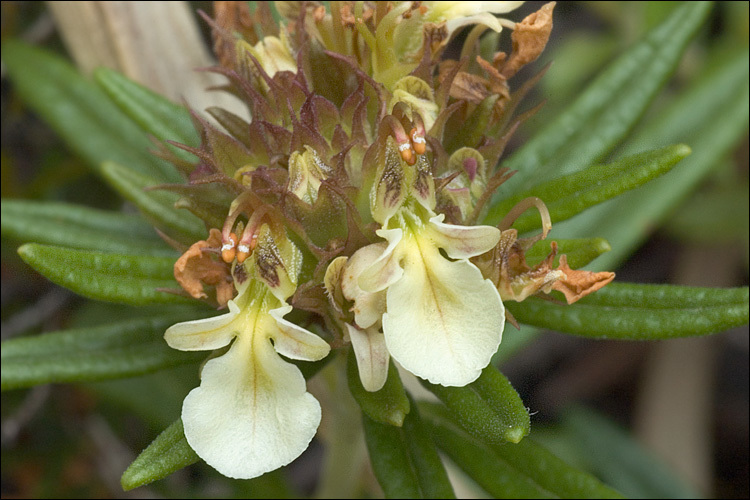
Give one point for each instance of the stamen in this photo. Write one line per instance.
(227, 249)
(244, 251)
(407, 153)
(250, 234)
(418, 142)
(393, 125)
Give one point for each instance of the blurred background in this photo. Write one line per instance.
(665, 419)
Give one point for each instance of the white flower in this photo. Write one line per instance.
(458, 14)
(442, 320)
(251, 413)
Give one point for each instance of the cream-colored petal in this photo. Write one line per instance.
(444, 321)
(462, 242)
(453, 10)
(386, 268)
(484, 18)
(368, 307)
(252, 413)
(294, 341)
(372, 357)
(204, 334)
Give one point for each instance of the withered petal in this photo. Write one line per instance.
(578, 284)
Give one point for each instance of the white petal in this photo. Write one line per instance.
(368, 307)
(295, 342)
(386, 268)
(372, 357)
(462, 242)
(444, 320)
(251, 413)
(451, 10)
(204, 334)
(484, 18)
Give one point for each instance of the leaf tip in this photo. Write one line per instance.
(682, 150)
(396, 418)
(515, 434)
(601, 246)
(25, 251)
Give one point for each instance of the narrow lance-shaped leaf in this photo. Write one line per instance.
(612, 454)
(117, 350)
(523, 470)
(80, 112)
(570, 195)
(389, 457)
(168, 453)
(126, 279)
(405, 460)
(552, 473)
(474, 457)
(719, 99)
(488, 408)
(74, 226)
(640, 312)
(609, 107)
(157, 205)
(154, 113)
(433, 480)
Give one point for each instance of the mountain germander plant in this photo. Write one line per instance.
(357, 221)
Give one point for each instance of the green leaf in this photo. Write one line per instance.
(580, 251)
(613, 454)
(489, 408)
(609, 107)
(523, 470)
(122, 278)
(116, 350)
(389, 457)
(640, 312)
(718, 215)
(74, 226)
(154, 113)
(389, 405)
(168, 453)
(551, 473)
(478, 461)
(405, 460)
(157, 205)
(80, 112)
(433, 480)
(570, 195)
(720, 100)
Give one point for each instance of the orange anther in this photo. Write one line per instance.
(407, 153)
(228, 250)
(241, 256)
(245, 248)
(417, 142)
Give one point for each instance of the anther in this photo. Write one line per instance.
(250, 235)
(407, 153)
(228, 248)
(244, 249)
(418, 142)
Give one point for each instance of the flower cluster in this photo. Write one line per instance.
(351, 197)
